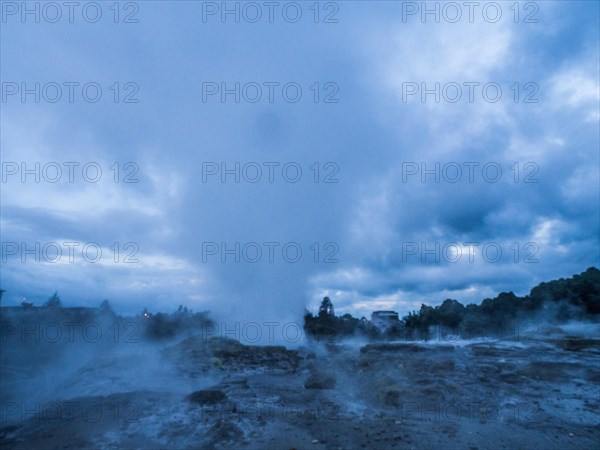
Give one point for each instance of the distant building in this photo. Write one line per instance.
(384, 319)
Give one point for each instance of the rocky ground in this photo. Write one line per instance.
(218, 393)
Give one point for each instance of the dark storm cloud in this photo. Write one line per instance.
(370, 213)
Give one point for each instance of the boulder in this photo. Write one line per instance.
(207, 396)
(320, 380)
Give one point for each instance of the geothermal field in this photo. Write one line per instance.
(299, 225)
(530, 387)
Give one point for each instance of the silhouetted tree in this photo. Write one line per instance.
(53, 301)
(105, 306)
(326, 308)
(450, 313)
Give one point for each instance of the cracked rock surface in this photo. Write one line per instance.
(219, 393)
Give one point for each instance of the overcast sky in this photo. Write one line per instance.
(404, 196)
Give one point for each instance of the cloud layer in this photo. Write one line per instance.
(425, 192)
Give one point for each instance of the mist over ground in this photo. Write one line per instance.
(449, 376)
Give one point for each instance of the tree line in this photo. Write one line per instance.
(557, 301)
